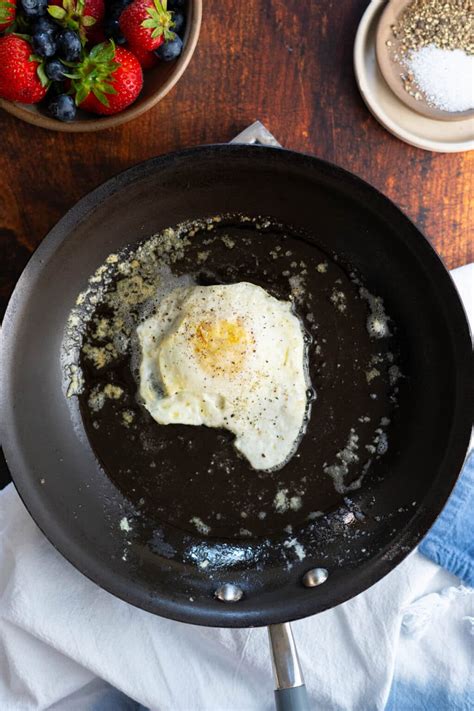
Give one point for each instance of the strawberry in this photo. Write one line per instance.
(108, 80)
(147, 59)
(147, 23)
(22, 77)
(80, 15)
(7, 13)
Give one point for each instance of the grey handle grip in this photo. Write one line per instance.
(295, 699)
(290, 694)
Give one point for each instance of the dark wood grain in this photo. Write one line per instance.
(286, 62)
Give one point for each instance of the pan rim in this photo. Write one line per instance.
(373, 570)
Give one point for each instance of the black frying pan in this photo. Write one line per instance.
(78, 507)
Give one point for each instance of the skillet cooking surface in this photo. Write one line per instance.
(185, 475)
(54, 467)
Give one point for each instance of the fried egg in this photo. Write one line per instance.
(228, 356)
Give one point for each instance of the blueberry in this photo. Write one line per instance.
(179, 21)
(45, 24)
(176, 4)
(112, 30)
(55, 70)
(44, 44)
(62, 107)
(170, 50)
(69, 46)
(34, 8)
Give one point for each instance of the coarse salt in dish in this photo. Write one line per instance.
(445, 77)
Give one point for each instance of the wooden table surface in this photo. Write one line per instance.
(285, 62)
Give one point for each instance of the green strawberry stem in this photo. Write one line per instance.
(71, 15)
(23, 36)
(40, 69)
(6, 8)
(94, 73)
(160, 21)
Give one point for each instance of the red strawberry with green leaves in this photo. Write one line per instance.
(83, 16)
(108, 80)
(147, 23)
(22, 77)
(147, 59)
(7, 13)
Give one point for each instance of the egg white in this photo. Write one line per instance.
(229, 356)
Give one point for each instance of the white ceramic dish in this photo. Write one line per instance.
(404, 123)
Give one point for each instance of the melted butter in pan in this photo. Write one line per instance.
(183, 474)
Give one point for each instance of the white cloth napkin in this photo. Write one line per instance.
(66, 644)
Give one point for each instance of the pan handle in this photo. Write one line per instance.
(290, 692)
(257, 134)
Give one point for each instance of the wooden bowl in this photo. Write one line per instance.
(157, 83)
(392, 70)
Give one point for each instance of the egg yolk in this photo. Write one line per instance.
(221, 346)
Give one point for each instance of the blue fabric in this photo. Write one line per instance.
(405, 696)
(450, 541)
(115, 700)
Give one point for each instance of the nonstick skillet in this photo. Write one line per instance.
(79, 508)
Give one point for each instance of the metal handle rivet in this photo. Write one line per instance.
(314, 577)
(229, 593)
